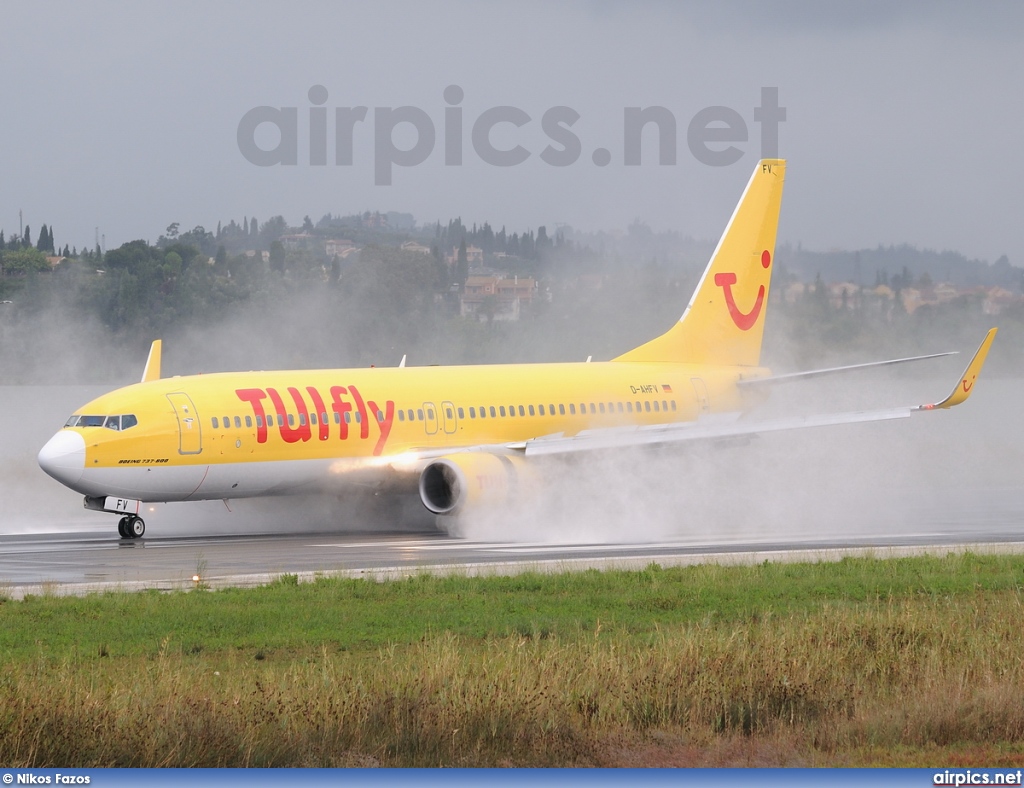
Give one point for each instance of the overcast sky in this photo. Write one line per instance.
(903, 121)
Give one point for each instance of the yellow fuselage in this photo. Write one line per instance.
(206, 436)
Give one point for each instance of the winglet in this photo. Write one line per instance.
(966, 385)
(152, 371)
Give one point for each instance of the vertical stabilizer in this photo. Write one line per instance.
(724, 321)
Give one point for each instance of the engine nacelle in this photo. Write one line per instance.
(450, 484)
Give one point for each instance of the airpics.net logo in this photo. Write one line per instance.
(712, 134)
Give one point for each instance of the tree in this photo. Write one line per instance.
(25, 261)
(26, 237)
(172, 231)
(307, 225)
(462, 265)
(272, 230)
(45, 241)
(277, 256)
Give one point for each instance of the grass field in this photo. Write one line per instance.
(916, 661)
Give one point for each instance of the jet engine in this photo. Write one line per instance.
(449, 485)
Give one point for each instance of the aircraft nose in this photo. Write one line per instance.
(63, 457)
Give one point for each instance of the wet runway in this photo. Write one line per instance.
(87, 561)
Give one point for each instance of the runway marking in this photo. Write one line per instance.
(510, 547)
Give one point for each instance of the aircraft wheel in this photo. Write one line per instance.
(122, 528)
(136, 527)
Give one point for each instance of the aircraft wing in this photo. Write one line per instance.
(731, 425)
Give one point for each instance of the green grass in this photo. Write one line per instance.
(860, 661)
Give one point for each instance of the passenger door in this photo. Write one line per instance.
(430, 418)
(449, 421)
(190, 430)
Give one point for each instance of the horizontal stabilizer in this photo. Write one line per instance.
(815, 373)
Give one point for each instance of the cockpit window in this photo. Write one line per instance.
(123, 422)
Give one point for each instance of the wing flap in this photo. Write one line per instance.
(700, 430)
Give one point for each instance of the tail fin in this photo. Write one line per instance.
(724, 321)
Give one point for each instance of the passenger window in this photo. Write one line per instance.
(248, 421)
(419, 414)
(359, 417)
(291, 419)
(380, 416)
(280, 420)
(561, 409)
(629, 407)
(592, 408)
(430, 414)
(673, 404)
(337, 417)
(216, 423)
(655, 406)
(238, 423)
(401, 415)
(647, 406)
(492, 412)
(412, 416)
(522, 411)
(602, 407)
(348, 417)
(462, 413)
(472, 412)
(639, 407)
(540, 408)
(323, 418)
(664, 405)
(302, 420)
(502, 411)
(531, 410)
(312, 419)
(227, 422)
(128, 421)
(620, 407)
(259, 421)
(572, 408)
(448, 413)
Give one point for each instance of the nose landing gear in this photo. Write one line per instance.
(131, 527)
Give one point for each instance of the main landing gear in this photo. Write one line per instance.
(131, 527)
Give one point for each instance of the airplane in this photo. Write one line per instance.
(462, 436)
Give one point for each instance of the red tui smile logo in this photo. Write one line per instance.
(744, 320)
